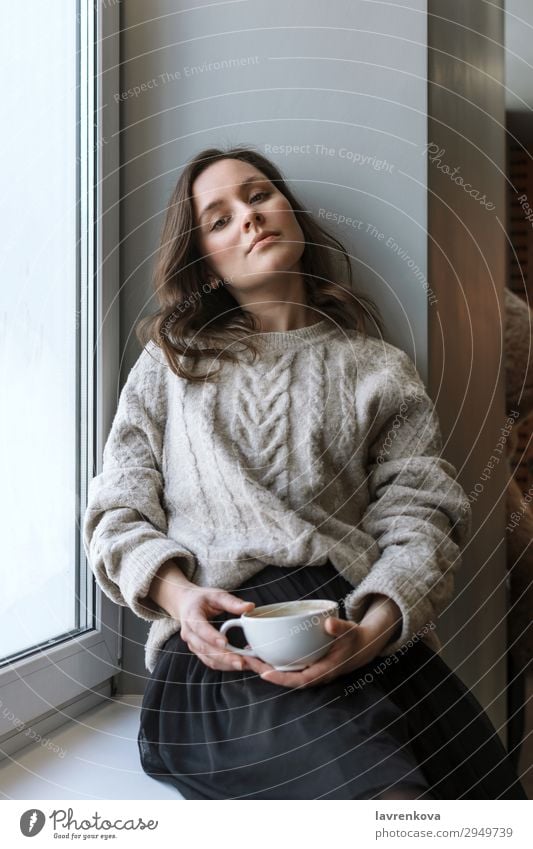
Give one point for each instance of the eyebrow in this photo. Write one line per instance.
(215, 203)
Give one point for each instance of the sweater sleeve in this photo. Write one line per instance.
(418, 513)
(125, 525)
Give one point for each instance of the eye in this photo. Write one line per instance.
(257, 195)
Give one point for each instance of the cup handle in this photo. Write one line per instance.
(236, 623)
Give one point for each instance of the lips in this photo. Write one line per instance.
(260, 239)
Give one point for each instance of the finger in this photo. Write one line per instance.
(338, 627)
(299, 680)
(231, 603)
(347, 637)
(317, 673)
(199, 623)
(208, 660)
(209, 634)
(199, 626)
(257, 665)
(224, 663)
(221, 659)
(285, 679)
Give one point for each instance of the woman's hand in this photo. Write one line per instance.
(354, 646)
(192, 605)
(195, 606)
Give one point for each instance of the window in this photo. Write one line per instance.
(39, 343)
(58, 636)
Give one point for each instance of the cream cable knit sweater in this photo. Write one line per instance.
(326, 447)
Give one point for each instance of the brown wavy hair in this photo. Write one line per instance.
(191, 310)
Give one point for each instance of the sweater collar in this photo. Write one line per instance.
(281, 340)
(284, 340)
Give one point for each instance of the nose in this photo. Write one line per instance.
(251, 216)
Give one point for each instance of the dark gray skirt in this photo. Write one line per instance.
(231, 735)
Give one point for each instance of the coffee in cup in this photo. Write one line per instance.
(288, 635)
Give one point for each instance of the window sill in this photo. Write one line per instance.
(100, 760)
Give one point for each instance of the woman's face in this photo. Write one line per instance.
(225, 233)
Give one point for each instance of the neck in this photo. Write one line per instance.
(294, 317)
(280, 306)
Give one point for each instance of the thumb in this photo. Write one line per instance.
(236, 604)
(336, 626)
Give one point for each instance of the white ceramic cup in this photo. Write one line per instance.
(288, 635)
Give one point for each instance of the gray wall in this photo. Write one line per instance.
(348, 78)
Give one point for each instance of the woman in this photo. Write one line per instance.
(302, 462)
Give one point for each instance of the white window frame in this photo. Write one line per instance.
(52, 685)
